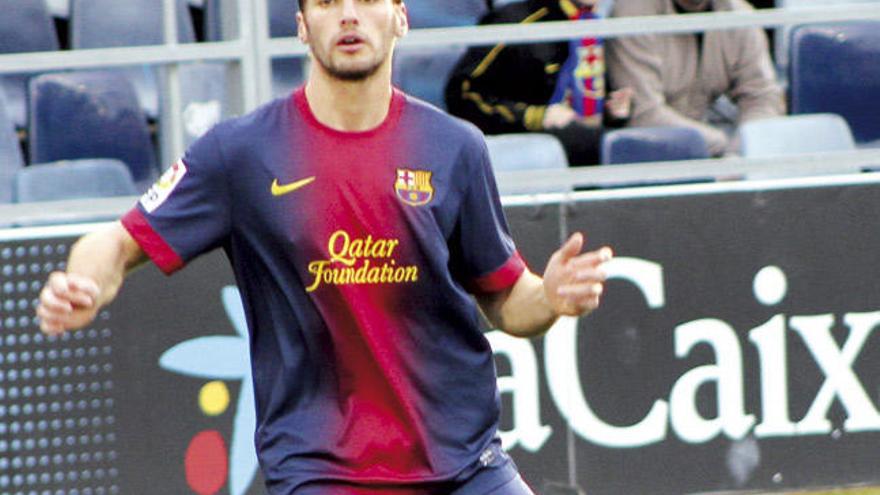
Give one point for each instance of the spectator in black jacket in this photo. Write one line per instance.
(557, 88)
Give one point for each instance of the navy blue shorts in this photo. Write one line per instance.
(493, 474)
(496, 474)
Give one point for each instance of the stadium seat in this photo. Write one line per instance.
(440, 13)
(212, 21)
(282, 19)
(25, 26)
(111, 23)
(287, 73)
(75, 179)
(423, 72)
(650, 144)
(204, 98)
(59, 8)
(526, 151)
(11, 160)
(782, 39)
(90, 114)
(795, 134)
(834, 69)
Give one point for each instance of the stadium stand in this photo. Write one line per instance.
(646, 144)
(59, 8)
(110, 23)
(74, 179)
(526, 151)
(204, 96)
(282, 18)
(426, 14)
(25, 26)
(783, 35)
(10, 153)
(792, 134)
(797, 134)
(423, 72)
(834, 68)
(90, 114)
(200, 96)
(287, 73)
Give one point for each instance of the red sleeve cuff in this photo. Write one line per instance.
(151, 242)
(504, 277)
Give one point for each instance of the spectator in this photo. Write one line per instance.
(677, 78)
(547, 87)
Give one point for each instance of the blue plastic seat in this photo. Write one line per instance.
(287, 73)
(282, 19)
(835, 68)
(650, 144)
(11, 160)
(440, 13)
(25, 26)
(77, 179)
(90, 114)
(204, 98)
(795, 134)
(783, 35)
(111, 23)
(526, 151)
(423, 72)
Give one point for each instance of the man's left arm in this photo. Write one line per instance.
(754, 87)
(572, 285)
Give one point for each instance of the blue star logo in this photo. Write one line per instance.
(221, 357)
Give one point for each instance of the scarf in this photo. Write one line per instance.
(581, 82)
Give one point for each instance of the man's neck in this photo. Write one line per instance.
(350, 106)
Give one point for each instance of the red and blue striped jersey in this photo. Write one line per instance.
(357, 254)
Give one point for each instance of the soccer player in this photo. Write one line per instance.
(359, 222)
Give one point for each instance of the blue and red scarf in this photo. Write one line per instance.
(581, 82)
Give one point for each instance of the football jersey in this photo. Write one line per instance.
(356, 254)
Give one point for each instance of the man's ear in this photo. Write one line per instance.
(302, 32)
(401, 25)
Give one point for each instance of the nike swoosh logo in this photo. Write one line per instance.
(281, 190)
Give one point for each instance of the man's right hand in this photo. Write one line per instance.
(559, 115)
(67, 301)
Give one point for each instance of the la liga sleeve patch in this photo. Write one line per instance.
(159, 192)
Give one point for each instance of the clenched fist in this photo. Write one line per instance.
(67, 301)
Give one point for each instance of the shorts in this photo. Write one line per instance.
(497, 474)
(493, 474)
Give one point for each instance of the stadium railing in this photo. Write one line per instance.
(251, 52)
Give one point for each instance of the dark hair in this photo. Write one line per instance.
(301, 2)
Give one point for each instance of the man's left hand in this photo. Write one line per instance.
(574, 281)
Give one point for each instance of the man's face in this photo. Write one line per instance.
(351, 39)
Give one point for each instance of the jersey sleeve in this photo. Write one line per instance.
(187, 211)
(484, 255)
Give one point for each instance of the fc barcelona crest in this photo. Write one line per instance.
(414, 187)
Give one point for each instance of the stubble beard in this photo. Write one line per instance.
(347, 74)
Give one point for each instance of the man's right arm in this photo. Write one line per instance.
(96, 268)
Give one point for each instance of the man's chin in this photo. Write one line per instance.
(353, 74)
